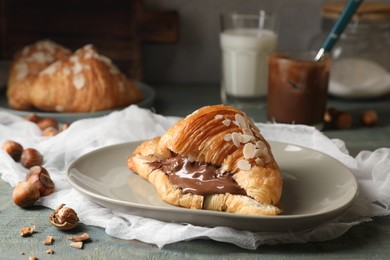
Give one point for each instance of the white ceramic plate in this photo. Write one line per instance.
(316, 189)
(148, 91)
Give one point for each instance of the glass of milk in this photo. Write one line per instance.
(246, 40)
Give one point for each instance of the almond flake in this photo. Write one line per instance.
(236, 138)
(66, 71)
(260, 145)
(249, 151)
(21, 70)
(77, 67)
(244, 165)
(227, 137)
(246, 138)
(258, 153)
(78, 81)
(247, 131)
(259, 162)
(226, 122)
(218, 116)
(242, 123)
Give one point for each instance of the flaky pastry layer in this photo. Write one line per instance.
(225, 137)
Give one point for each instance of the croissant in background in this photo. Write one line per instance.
(84, 81)
(213, 159)
(26, 66)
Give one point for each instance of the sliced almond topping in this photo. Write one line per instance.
(247, 131)
(246, 138)
(256, 131)
(249, 151)
(259, 162)
(236, 138)
(227, 137)
(267, 158)
(260, 144)
(227, 122)
(218, 116)
(79, 81)
(243, 165)
(66, 71)
(242, 123)
(21, 70)
(258, 153)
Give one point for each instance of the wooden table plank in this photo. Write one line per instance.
(368, 240)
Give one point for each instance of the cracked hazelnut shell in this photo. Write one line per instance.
(64, 218)
(39, 177)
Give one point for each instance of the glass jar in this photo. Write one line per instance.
(361, 57)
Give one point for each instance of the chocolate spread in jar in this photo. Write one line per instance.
(297, 88)
(200, 179)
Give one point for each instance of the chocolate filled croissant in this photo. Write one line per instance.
(48, 77)
(26, 66)
(214, 159)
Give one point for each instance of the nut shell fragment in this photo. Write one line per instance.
(78, 245)
(26, 231)
(82, 237)
(64, 218)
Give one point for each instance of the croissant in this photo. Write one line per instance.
(26, 66)
(214, 159)
(84, 81)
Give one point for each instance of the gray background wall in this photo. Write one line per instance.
(195, 58)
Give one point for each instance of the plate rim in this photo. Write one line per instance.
(225, 215)
(145, 103)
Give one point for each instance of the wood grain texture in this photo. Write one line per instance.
(117, 27)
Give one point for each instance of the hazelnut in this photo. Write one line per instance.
(25, 194)
(47, 122)
(338, 119)
(14, 149)
(343, 120)
(39, 177)
(64, 218)
(369, 118)
(31, 157)
(36, 169)
(49, 131)
(33, 118)
(64, 127)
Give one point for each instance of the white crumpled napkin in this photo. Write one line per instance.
(370, 168)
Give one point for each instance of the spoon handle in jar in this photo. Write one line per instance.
(339, 26)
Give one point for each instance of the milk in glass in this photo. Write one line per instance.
(245, 62)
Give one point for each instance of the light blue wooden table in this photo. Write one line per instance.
(369, 240)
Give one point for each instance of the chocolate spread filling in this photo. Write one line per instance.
(200, 179)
